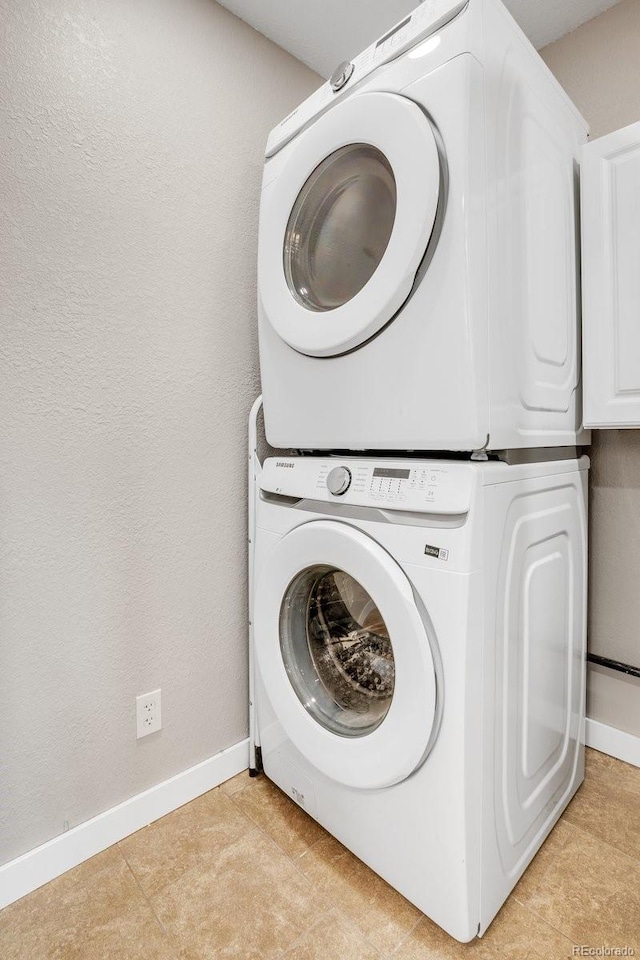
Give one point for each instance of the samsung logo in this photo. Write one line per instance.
(285, 463)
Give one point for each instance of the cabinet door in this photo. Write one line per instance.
(610, 188)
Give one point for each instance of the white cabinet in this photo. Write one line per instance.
(610, 191)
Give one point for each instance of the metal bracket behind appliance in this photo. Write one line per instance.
(255, 470)
(481, 452)
(537, 454)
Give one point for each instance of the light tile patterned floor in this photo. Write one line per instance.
(243, 873)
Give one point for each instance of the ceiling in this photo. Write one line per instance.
(321, 33)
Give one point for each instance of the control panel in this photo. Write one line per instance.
(425, 486)
(430, 16)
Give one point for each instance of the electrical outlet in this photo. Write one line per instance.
(148, 713)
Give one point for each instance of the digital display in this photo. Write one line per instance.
(391, 472)
(391, 32)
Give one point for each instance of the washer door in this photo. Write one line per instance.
(344, 655)
(345, 224)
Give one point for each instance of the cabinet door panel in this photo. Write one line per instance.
(610, 186)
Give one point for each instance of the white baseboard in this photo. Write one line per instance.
(44, 863)
(617, 743)
(51, 859)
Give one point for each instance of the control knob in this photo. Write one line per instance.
(339, 481)
(341, 75)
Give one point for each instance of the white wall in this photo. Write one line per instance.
(132, 136)
(598, 65)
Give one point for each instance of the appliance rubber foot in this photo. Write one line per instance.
(255, 771)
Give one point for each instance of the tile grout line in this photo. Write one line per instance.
(404, 939)
(296, 863)
(546, 870)
(591, 836)
(592, 778)
(632, 858)
(271, 840)
(538, 916)
(190, 870)
(540, 883)
(165, 932)
(298, 940)
(349, 922)
(249, 823)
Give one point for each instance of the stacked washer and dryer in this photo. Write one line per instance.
(418, 567)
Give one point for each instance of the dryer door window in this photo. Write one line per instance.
(337, 651)
(348, 211)
(340, 227)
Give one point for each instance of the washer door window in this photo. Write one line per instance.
(337, 651)
(346, 222)
(345, 656)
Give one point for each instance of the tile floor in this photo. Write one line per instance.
(243, 873)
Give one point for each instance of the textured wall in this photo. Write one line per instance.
(598, 67)
(132, 136)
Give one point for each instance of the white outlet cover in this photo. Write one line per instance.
(148, 713)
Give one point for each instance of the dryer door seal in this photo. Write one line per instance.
(346, 223)
(344, 655)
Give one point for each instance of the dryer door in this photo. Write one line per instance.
(346, 223)
(345, 655)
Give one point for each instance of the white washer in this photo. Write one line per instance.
(417, 253)
(419, 653)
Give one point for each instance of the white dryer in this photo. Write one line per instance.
(419, 663)
(417, 252)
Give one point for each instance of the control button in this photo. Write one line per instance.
(339, 481)
(341, 75)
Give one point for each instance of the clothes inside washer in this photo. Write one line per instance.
(349, 643)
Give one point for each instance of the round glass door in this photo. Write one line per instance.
(340, 227)
(344, 656)
(347, 212)
(337, 652)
